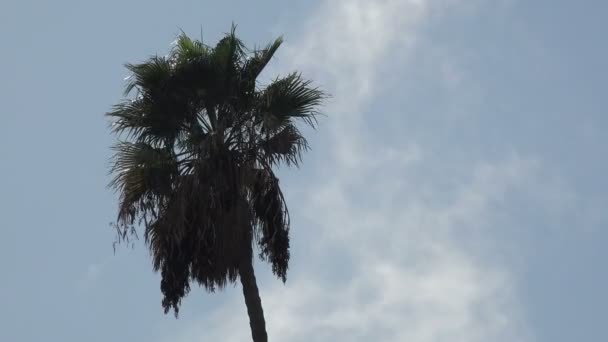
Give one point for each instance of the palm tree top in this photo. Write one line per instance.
(198, 139)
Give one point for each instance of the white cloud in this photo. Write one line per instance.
(412, 281)
(345, 45)
(350, 38)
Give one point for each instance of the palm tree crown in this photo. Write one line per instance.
(198, 140)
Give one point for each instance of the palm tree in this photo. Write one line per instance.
(198, 139)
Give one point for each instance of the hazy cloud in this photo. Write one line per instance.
(397, 238)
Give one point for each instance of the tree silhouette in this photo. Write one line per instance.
(198, 139)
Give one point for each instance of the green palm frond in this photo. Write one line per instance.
(149, 119)
(140, 170)
(288, 98)
(188, 50)
(260, 59)
(149, 75)
(229, 52)
(129, 116)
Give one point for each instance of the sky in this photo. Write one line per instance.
(455, 189)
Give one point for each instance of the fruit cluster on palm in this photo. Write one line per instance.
(198, 141)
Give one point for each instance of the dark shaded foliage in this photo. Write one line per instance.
(198, 140)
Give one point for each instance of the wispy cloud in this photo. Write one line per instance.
(396, 237)
(344, 47)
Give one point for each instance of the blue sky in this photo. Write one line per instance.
(455, 190)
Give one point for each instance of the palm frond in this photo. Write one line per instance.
(288, 98)
(187, 50)
(229, 52)
(260, 59)
(141, 172)
(149, 119)
(148, 75)
(271, 218)
(129, 116)
(286, 146)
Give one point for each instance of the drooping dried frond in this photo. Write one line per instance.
(271, 218)
(194, 167)
(285, 146)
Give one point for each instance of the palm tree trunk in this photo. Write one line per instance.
(252, 299)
